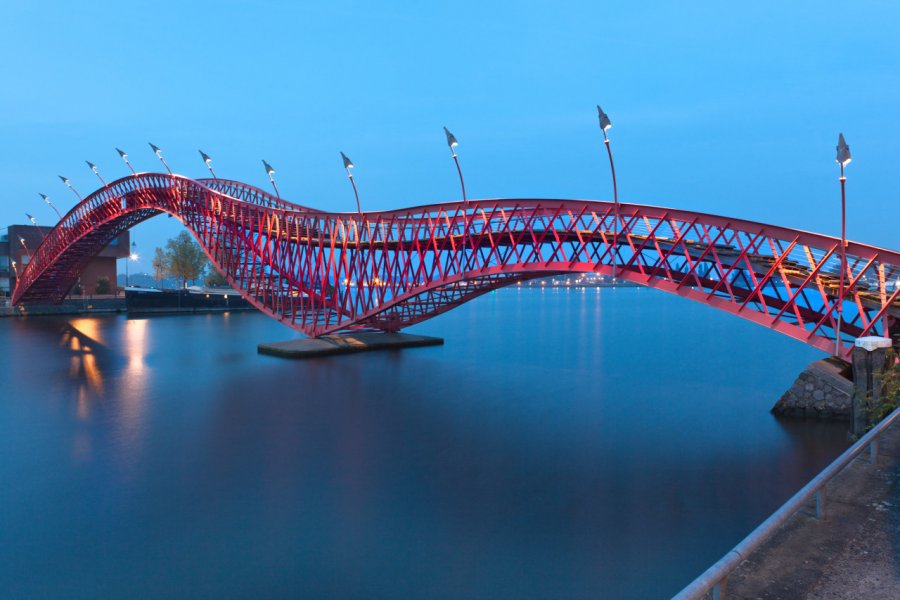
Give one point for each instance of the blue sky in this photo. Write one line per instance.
(722, 107)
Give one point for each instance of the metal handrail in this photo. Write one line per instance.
(715, 578)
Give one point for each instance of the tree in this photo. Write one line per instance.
(103, 286)
(214, 278)
(184, 258)
(160, 264)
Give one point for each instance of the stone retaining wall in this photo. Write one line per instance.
(823, 390)
(108, 304)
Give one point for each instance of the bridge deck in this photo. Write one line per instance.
(322, 272)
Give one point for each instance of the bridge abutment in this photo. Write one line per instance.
(836, 390)
(823, 390)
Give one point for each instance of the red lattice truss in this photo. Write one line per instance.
(322, 273)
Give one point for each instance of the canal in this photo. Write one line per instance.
(563, 443)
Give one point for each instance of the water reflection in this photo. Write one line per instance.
(542, 451)
(134, 383)
(107, 367)
(81, 339)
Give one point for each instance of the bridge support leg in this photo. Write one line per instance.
(869, 361)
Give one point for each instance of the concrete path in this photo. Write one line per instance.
(854, 553)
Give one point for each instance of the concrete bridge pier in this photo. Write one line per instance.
(869, 362)
(348, 343)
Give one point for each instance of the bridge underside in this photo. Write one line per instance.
(321, 273)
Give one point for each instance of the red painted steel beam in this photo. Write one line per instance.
(320, 272)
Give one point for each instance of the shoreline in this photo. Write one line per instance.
(108, 306)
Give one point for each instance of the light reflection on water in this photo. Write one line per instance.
(590, 443)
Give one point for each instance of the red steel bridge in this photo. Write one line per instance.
(323, 273)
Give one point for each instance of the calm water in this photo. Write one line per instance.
(561, 444)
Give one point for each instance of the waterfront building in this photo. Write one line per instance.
(12, 250)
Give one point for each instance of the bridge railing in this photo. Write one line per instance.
(715, 578)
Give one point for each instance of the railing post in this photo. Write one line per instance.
(873, 450)
(821, 503)
(720, 590)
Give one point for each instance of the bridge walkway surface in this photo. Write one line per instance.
(854, 553)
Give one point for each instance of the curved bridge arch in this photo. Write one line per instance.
(320, 272)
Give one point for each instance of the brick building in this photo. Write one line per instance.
(12, 250)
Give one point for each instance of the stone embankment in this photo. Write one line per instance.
(110, 305)
(103, 305)
(823, 390)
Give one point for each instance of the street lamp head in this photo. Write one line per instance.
(133, 256)
(123, 154)
(451, 139)
(269, 170)
(843, 152)
(44, 197)
(92, 166)
(605, 123)
(156, 151)
(348, 164)
(32, 219)
(206, 157)
(64, 180)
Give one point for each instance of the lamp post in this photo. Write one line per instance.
(34, 223)
(453, 143)
(131, 257)
(46, 199)
(69, 185)
(208, 161)
(158, 153)
(96, 172)
(843, 159)
(270, 172)
(348, 164)
(124, 156)
(604, 125)
(27, 251)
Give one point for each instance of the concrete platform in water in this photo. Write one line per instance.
(346, 344)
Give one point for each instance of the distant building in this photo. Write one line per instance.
(12, 250)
